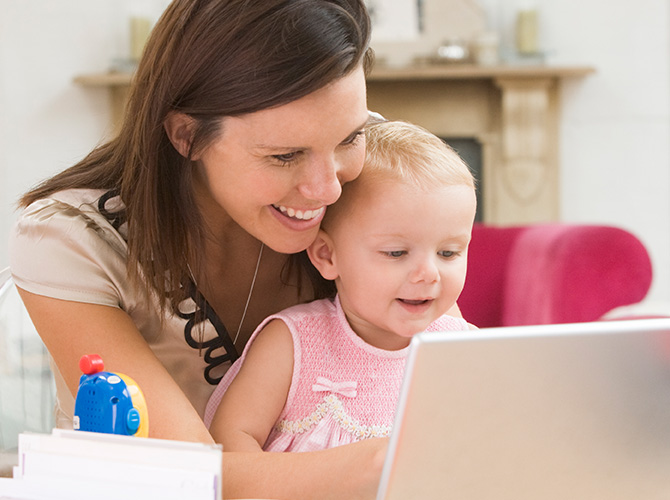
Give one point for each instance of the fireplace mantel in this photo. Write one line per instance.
(513, 111)
(474, 72)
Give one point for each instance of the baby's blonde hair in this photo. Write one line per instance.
(398, 150)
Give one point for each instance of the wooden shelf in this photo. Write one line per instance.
(110, 79)
(475, 72)
(388, 73)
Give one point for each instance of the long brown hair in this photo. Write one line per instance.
(208, 59)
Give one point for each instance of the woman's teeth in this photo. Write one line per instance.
(300, 214)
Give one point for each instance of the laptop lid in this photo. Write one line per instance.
(578, 411)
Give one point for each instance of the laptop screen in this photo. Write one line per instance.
(578, 411)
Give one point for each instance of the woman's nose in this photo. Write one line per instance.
(321, 182)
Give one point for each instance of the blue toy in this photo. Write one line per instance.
(107, 402)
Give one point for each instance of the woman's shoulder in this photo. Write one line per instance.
(77, 197)
(93, 210)
(63, 246)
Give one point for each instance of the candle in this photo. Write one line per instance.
(526, 31)
(140, 27)
(486, 49)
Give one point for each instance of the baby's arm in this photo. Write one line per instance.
(252, 404)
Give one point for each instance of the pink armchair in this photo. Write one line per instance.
(552, 273)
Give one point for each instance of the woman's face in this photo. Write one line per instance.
(274, 171)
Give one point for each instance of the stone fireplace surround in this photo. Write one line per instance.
(513, 112)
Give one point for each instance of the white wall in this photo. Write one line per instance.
(46, 121)
(615, 154)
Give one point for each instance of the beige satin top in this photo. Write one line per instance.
(64, 247)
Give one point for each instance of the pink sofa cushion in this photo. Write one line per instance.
(573, 273)
(551, 273)
(481, 300)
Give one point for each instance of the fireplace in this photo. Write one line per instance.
(507, 116)
(470, 149)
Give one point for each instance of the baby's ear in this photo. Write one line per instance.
(321, 254)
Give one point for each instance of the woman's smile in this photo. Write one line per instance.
(298, 220)
(305, 215)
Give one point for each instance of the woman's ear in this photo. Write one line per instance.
(321, 254)
(179, 128)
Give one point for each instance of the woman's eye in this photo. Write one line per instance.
(354, 138)
(286, 158)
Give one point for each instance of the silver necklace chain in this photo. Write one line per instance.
(251, 290)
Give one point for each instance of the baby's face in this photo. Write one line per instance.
(401, 257)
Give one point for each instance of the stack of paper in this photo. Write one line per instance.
(72, 465)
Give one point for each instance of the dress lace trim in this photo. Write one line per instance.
(116, 218)
(332, 405)
(222, 339)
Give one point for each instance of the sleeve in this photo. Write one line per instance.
(448, 323)
(68, 253)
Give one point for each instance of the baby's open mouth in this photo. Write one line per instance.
(415, 302)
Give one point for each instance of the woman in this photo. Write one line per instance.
(164, 248)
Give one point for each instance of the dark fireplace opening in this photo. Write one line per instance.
(470, 150)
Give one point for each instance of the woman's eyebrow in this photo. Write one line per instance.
(277, 147)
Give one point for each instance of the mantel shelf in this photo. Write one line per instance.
(110, 79)
(475, 72)
(387, 73)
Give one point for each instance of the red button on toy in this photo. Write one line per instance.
(91, 363)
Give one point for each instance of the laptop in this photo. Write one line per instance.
(575, 411)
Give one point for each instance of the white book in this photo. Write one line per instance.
(68, 488)
(78, 464)
(129, 449)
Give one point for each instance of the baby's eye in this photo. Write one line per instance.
(395, 253)
(447, 254)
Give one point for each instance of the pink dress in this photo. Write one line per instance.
(343, 390)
